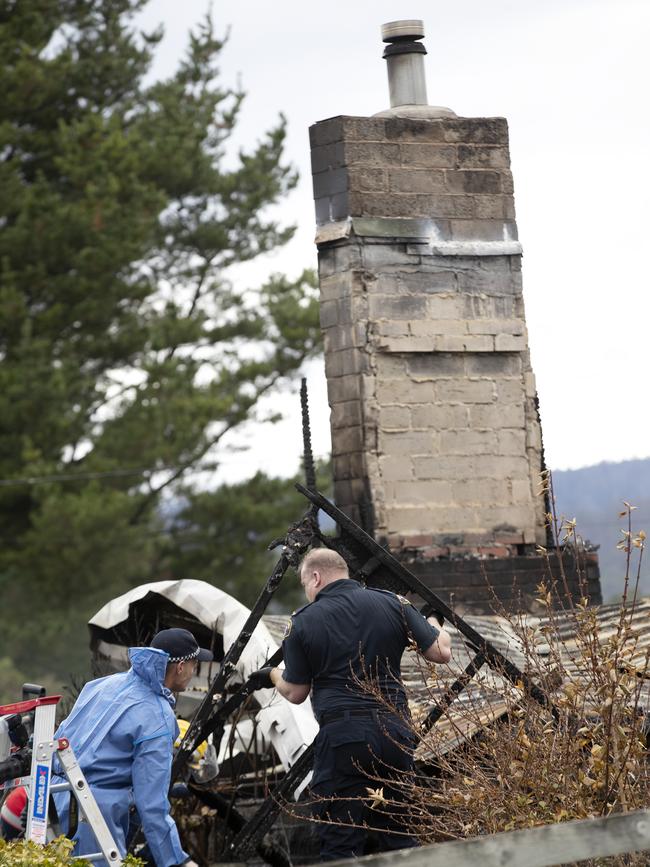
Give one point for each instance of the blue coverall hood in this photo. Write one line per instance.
(150, 664)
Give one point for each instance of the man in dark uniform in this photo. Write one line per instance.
(347, 639)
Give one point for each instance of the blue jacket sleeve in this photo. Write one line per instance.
(151, 776)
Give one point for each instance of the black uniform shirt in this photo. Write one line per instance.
(348, 634)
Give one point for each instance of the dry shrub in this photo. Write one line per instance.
(518, 763)
(583, 756)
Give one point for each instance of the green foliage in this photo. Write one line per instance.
(22, 853)
(126, 353)
(11, 681)
(58, 853)
(223, 536)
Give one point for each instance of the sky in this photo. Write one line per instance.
(571, 77)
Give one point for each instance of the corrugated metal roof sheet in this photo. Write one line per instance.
(425, 684)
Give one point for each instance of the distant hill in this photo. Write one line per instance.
(594, 496)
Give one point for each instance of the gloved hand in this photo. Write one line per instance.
(434, 617)
(260, 679)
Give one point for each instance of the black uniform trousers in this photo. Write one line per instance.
(355, 751)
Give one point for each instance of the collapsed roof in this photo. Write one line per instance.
(216, 619)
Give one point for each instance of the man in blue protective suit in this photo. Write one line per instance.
(349, 636)
(122, 729)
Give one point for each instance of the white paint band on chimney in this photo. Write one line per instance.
(404, 55)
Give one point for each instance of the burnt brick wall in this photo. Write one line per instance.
(455, 171)
(481, 586)
(434, 427)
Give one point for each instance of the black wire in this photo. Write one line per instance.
(69, 477)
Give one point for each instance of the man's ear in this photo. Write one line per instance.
(318, 578)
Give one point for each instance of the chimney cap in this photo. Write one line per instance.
(405, 66)
(394, 31)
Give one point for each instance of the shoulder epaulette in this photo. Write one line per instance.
(397, 596)
(383, 592)
(289, 626)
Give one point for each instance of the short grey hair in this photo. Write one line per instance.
(324, 560)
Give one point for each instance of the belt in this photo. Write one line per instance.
(337, 715)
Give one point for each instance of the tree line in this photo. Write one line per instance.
(126, 353)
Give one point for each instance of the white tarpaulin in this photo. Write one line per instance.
(290, 728)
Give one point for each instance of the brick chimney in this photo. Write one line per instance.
(435, 430)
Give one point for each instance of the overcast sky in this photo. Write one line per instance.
(571, 77)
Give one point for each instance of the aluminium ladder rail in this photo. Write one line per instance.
(39, 786)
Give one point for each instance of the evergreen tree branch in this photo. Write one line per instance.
(200, 453)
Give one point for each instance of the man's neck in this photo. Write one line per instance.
(333, 581)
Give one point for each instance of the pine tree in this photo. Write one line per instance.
(227, 532)
(126, 353)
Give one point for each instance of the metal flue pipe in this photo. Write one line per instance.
(404, 56)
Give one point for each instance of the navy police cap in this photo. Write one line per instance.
(181, 645)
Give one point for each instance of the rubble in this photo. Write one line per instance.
(216, 619)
